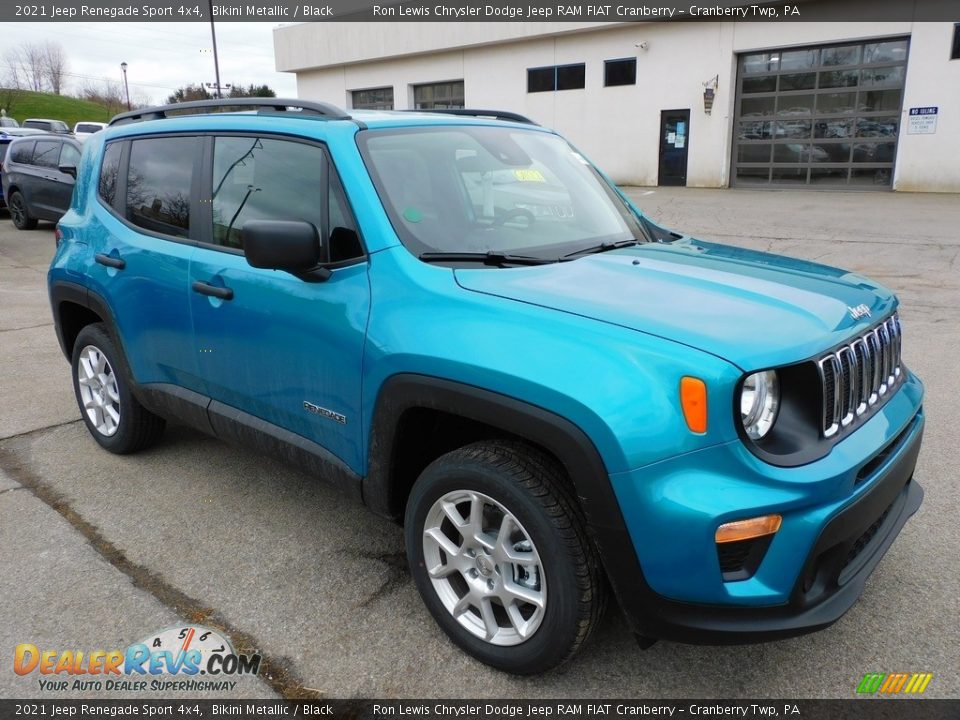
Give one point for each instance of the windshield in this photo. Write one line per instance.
(481, 189)
(87, 128)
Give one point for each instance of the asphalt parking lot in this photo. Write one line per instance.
(98, 551)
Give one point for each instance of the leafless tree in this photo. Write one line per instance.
(26, 64)
(108, 93)
(9, 90)
(54, 65)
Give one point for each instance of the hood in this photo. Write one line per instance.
(753, 309)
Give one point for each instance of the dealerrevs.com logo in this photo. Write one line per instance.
(184, 653)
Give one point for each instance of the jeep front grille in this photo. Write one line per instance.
(860, 374)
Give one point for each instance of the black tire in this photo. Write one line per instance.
(532, 487)
(19, 213)
(137, 427)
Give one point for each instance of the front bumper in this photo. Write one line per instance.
(841, 514)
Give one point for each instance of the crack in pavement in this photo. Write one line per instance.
(27, 327)
(277, 672)
(25, 433)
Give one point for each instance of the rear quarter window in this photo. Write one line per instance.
(109, 169)
(22, 152)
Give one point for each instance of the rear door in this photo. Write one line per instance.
(141, 235)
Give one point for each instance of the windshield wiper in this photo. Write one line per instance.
(602, 247)
(496, 259)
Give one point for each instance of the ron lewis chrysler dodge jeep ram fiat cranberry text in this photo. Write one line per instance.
(461, 322)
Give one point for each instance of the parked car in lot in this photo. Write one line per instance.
(461, 322)
(7, 136)
(51, 126)
(83, 130)
(38, 177)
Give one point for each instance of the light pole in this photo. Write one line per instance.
(216, 62)
(126, 88)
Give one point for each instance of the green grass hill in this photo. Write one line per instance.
(28, 104)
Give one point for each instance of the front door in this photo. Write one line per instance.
(269, 344)
(674, 143)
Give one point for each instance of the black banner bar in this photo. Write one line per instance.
(854, 709)
(601, 11)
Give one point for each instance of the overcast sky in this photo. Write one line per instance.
(160, 57)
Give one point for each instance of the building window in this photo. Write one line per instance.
(620, 72)
(541, 79)
(955, 50)
(556, 77)
(372, 99)
(438, 96)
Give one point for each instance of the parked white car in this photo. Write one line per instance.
(84, 129)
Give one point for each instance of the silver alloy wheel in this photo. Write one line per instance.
(484, 567)
(98, 390)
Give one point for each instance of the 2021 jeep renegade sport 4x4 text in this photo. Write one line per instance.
(460, 322)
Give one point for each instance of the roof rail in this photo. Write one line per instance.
(320, 110)
(493, 114)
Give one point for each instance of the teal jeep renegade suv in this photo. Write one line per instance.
(460, 322)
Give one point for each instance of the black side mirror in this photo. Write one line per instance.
(70, 170)
(290, 245)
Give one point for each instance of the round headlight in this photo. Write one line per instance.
(759, 401)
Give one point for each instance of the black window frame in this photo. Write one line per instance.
(433, 103)
(118, 208)
(546, 71)
(630, 62)
(581, 73)
(206, 192)
(370, 106)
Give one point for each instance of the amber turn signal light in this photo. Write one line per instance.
(748, 529)
(693, 400)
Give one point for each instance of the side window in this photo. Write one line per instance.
(22, 152)
(47, 153)
(159, 179)
(69, 155)
(257, 178)
(109, 170)
(344, 241)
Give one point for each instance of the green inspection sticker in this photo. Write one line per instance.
(413, 215)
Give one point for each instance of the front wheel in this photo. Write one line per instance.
(500, 556)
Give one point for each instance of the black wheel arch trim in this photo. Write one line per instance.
(565, 440)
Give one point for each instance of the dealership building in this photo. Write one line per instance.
(838, 105)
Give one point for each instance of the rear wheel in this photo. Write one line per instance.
(111, 413)
(19, 213)
(499, 553)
